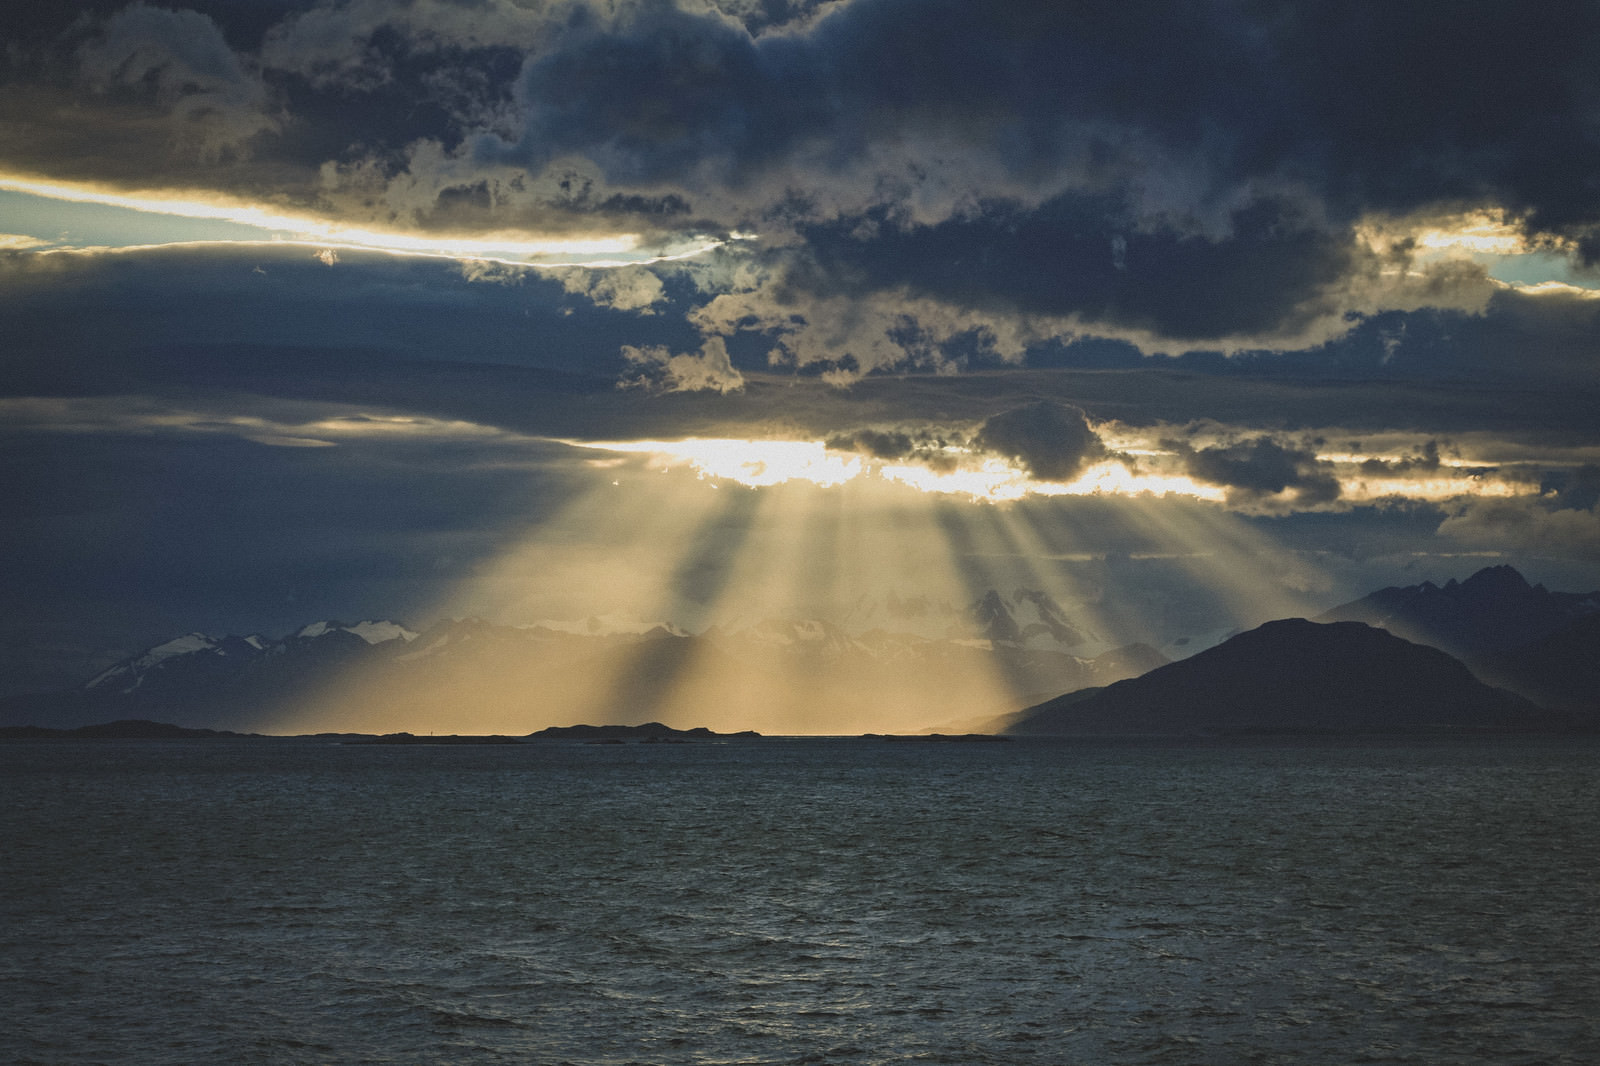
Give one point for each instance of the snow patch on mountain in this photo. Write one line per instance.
(188, 644)
(380, 632)
(373, 632)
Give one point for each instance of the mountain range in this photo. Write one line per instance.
(1488, 654)
(1387, 661)
(1296, 676)
(1491, 612)
(780, 675)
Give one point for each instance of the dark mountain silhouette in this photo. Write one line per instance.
(1117, 664)
(215, 681)
(1295, 676)
(126, 729)
(1494, 610)
(1560, 671)
(648, 732)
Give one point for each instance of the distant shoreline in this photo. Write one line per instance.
(655, 733)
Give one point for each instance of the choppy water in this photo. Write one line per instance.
(798, 902)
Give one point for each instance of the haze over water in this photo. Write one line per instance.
(788, 901)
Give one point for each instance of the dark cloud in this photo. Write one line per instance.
(1262, 467)
(1408, 105)
(1191, 174)
(1522, 525)
(655, 99)
(879, 444)
(283, 296)
(1425, 461)
(1091, 256)
(1053, 441)
(924, 446)
(1573, 489)
(168, 531)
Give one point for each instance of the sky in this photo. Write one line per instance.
(1190, 315)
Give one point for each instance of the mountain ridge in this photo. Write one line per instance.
(1296, 676)
(1493, 610)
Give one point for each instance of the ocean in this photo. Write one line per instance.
(800, 901)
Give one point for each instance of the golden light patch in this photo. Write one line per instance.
(1485, 234)
(1474, 233)
(756, 463)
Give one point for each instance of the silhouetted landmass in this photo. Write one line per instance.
(127, 729)
(1297, 677)
(138, 729)
(1494, 610)
(1130, 660)
(940, 738)
(430, 739)
(649, 731)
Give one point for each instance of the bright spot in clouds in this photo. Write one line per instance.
(970, 473)
(1490, 239)
(756, 463)
(225, 220)
(760, 463)
(1475, 233)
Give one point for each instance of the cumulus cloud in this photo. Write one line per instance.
(1053, 441)
(1525, 525)
(215, 103)
(1424, 461)
(656, 368)
(880, 444)
(1256, 470)
(923, 446)
(625, 288)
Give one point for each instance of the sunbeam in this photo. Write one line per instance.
(783, 587)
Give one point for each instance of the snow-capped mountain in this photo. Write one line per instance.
(196, 662)
(1024, 617)
(176, 655)
(373, 632)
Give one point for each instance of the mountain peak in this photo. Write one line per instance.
(1496, 581)
(1494, 609)
(1298, 676)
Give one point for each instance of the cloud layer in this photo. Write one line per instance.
(929, 185)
